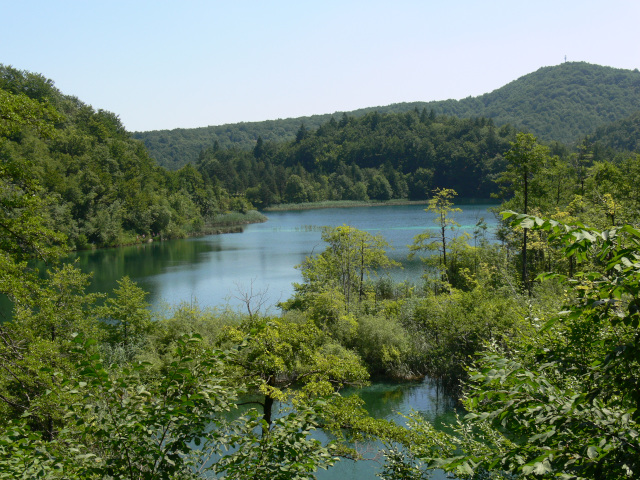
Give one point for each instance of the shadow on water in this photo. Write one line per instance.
(384, 399)
(140, 261)
(393, 401)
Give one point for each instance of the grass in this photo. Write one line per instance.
(236, 218)
(341, 204)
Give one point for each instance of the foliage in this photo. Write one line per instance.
(351, 258)
(24, 455)
(450, 329)
(441, 205)
(126, 312)
(621, 135)
(284, 452)
(383, 344)
(526, 163)
(377, 157)
(565, 403)
(125, 428)
(120, 425)
(19, 111)
(91, 181)
(281, 354)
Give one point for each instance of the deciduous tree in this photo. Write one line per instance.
(441, 205)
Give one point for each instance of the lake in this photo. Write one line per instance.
(212, 270)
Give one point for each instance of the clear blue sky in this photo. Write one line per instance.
(167, 64)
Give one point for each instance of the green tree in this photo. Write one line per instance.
(123, 423)
(296, 190)
(284, 453)
(351, 258)
(441, 205)
(526, 158)
(420, 183)
(280, 354)
(379, 188)
(127, 428)
(20, 111)
(564, 402)
(48, 307)
(127, 312)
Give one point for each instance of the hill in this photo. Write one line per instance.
(562, 103)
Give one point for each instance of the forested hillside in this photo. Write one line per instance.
(620, 136)
(374, 157)
(98, 186)
(562, 103)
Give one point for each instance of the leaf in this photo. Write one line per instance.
(528, 222)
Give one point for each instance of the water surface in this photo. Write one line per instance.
(212, 270)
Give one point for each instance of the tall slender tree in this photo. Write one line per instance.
(526, 158)
(441, 204)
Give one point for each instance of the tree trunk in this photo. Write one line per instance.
(268, 411)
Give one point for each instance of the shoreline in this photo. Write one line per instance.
(368, 203)
(340, 204)
(208, 229)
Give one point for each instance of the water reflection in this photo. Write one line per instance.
(140, 261)
(392, 401)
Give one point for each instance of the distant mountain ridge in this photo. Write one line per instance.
(563, 103)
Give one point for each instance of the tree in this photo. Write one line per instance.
(296, 190)
(126, 312)
(279, 355)
(302, 133)
(525, 158)
(19, 111)
(442, 206)
(127, 428)
(379, 188)
(420, 183)
(286, 452)
(580, 164)
(124, 423)
(258, 150)
(46, 307)
(350, 259)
